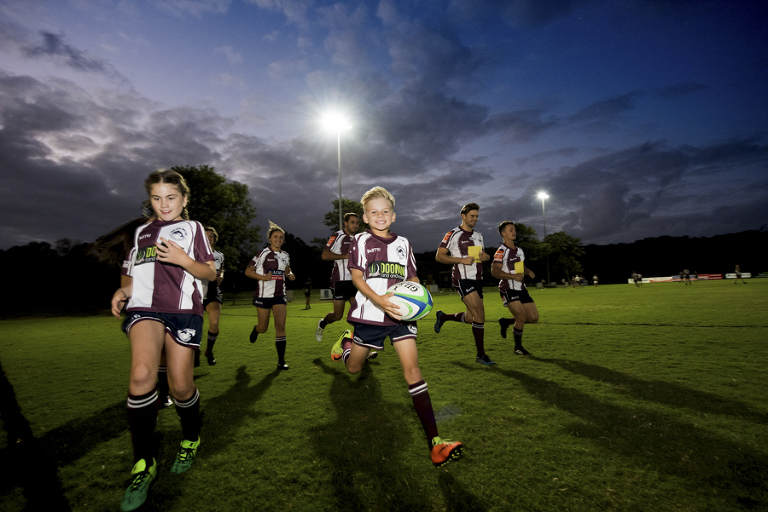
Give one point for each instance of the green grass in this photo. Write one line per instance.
(647, 398)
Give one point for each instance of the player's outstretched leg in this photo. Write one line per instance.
(319, 331)
(254, 335)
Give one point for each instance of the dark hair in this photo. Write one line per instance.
(469, 207)
(349, 215)
(215, 234)
(504, 224)
(172, 178)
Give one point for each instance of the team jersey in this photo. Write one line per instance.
(339, 244)
(218, 258)
(270, 261)
(508, 257)
(457, 241)
(383, 262)
(163, 287)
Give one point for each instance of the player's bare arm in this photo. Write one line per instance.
(497, 273)
(382, 301)
(332, 256)
(289, 273)
(530, 273)
(442, 256)
(251, 272)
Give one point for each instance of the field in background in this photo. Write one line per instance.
(647, 398)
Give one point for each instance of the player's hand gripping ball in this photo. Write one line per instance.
(413, 300)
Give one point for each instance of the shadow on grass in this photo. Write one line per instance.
(667, 393)
(736, 473)
(27, 462)
(364, 449)
(222, 416)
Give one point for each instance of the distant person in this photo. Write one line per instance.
(307, 292)
(270, 267)
(169, 256)
(738, 275)
(342, 289)
(594, 280)
(509, 267)
(214, 298)
(695, 275)
(463, 248)
(680, 277)
(636, 279)
(374, 317)
(687, 276)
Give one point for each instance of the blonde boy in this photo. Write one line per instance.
(378, 259)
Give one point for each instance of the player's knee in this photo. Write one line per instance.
(142, 377)
(337, 316)
(354, 368)
(412, 375)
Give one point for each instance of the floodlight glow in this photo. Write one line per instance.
(542, 195)
(335, 122)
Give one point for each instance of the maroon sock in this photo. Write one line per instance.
(455, 317)
(423, 405)
(478, 331)
(142, 417)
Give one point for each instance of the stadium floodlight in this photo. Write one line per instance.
(336, 122)
(543, 195)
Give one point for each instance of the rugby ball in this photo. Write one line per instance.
(413, 300)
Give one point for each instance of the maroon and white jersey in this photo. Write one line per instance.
(383, 262)
(163, 287)
(270, 261)
(218, 259)
(339, 244)
(457, 241)
(508, 257)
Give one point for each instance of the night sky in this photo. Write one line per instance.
(638, 118)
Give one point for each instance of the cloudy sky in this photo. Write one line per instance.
(639, 118)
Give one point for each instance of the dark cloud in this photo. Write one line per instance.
(54, 47)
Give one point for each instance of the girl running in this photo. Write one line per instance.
(169, 257)
(270, 267)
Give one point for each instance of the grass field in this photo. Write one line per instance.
(635, 399)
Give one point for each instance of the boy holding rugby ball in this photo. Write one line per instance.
(377, 260)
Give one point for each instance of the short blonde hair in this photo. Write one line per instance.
(377, 193)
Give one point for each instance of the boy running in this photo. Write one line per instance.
(377, 260)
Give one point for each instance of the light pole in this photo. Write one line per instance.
(543, 196)
(336, 122)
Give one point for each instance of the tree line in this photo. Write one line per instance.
(33, 288)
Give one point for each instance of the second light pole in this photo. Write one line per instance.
(543, 196)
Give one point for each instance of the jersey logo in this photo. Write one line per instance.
(386, 270)
(146, 255)
(447, 236)
(499, 256)
(401, 252)
(179, 234)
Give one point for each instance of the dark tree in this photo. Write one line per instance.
(225, 205)
(563, 253)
